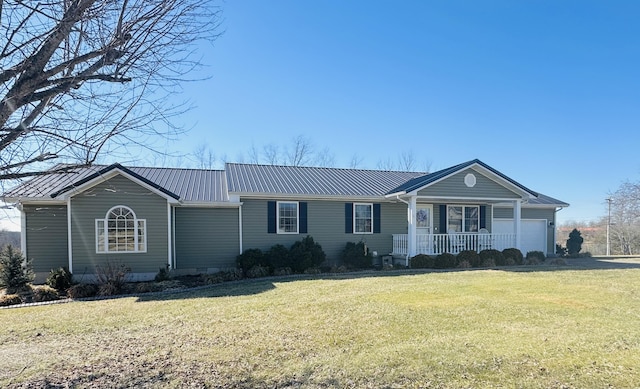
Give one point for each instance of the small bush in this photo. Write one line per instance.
(513, 254)
(356, 256)
(339, 269)
(445, 261)
(306, 253)
(164, 274)
(60, 279)
(112, 277)
(250, 258)
(556, 262)
(422, 261)
(534, 258)
(470, 256)
(15, 270)
(10, 299)
(148, 287)
(282, 271)
(258, 271)
(45, 293)
(561, 251)
(313, 270)
(491, 258)
(464, 265)
(278, 257)
(79, 291)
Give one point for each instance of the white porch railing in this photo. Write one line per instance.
(434, 244)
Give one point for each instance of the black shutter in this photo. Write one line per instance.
(302, 223)
(348, 218)
(443, 219)
(376, 218)
(271, 217)
(483, 216)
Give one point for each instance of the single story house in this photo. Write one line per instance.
(197, 221)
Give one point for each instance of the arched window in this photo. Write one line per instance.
(121, 231)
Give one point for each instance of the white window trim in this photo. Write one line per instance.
(463, 206)
(370, 205)
(105, 231)
(278, 231)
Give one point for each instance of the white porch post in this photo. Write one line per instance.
(517, 216)
(411, 236)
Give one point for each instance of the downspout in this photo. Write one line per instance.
(240, 226)
(69, 239)
(23, 231)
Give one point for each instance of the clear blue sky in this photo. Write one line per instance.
(547, 92)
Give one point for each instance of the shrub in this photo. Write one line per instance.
(556, 262)
(574, 243)
(561, 251)
(306, 253)
(10, 299)
(282, 271)
(492, 256)
(534, 258)
(258, 271)
(250, 258)
(464, 265)
(79, 291)
(112, 277)
(339, 269)
(60, 279)
(445, 261)
(513, 254)
(422, 261)
(312, 270)
(164, 274)
(356, 256)
(470, 256)
(278, 257)
(15, 270)
(45, 293)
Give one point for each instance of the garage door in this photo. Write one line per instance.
(534, 233)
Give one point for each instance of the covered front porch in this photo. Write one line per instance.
(434, 244)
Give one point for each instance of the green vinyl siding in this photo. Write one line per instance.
(206, 238)
(46, 236)
(454, 186)
(326, 224)
(95, 202)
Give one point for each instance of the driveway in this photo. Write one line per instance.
(627, 262)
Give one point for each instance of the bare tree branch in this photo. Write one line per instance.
(83, 77)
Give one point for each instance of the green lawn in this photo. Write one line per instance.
(467, 329)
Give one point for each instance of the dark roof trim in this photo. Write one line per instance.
(109, 168)
(425, 180)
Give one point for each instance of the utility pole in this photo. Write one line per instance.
(609, 200)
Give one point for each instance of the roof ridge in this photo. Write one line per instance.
(324, 168)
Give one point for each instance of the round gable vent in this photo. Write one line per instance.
(470, 180)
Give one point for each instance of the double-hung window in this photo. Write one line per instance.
(362, 218)
(121, 231)
(463, 218)
(288, 212)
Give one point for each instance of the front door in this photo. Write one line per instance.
(424, 216)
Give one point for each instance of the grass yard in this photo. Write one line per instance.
(467, 329)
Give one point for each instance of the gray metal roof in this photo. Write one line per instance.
(206, 186)
(191, 185)
(312, 181)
